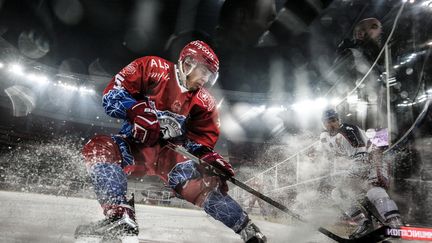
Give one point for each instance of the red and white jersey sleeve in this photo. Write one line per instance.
(203, 125)
(136, 77)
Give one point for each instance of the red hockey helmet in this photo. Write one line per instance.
(201, 53)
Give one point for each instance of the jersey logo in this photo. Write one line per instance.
(129, 69)
(206, 99)
(159, 64)
(171, 124)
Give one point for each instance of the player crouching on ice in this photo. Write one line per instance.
(159, 102)
(363, 177)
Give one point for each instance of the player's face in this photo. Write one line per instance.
(332, 125)
(198, 77)
(369, 30)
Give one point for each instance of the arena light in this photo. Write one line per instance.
(302, 106)
(312, 104)
(321, 103)
(70, 87)
(1, 65)
(427, 4)
(85, 90)
(38, 78)
(16, 69)
(430, 43)
(276, 109)
(335, 101)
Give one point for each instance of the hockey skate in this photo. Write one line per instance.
(111, 229)
(394, 222)
(252, 234)
(363, 228)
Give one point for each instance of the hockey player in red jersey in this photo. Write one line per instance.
(160, 101)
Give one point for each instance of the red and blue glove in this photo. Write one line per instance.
(145, 125)
(217, 162)
(219, 166)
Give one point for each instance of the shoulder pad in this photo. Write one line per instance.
(130, 69)
(205, 99)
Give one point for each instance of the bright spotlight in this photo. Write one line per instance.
(276, 109)
(1, 65)
(335, 101)
(427, 4)
(430, 43)
(38, 78)
(302, 106)
(85, 90)
(17, 69)
(321, 103)
(68, 87)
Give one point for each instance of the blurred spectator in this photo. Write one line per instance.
(242, 22)
(355, 59)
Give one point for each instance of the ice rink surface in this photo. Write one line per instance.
(27, 217)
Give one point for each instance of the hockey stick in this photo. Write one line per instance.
(369, 238)
(181, 150)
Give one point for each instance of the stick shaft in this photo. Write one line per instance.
(184, 152)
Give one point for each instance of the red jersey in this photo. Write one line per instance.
(157, 79)
(180, 112)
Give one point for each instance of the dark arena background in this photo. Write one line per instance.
(280, 67)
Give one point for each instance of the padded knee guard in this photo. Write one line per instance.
(197, 190)
(103, 161)
(101, 148)
(386, 207)
(188, 182)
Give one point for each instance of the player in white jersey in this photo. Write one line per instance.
(348, 146)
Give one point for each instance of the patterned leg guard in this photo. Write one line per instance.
(229, 212)
(110, 185)
(226, 210)
(203, 191)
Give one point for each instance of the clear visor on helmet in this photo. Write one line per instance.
(210, 76)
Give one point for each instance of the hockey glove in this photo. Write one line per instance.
(145, 125)
(218, 165)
